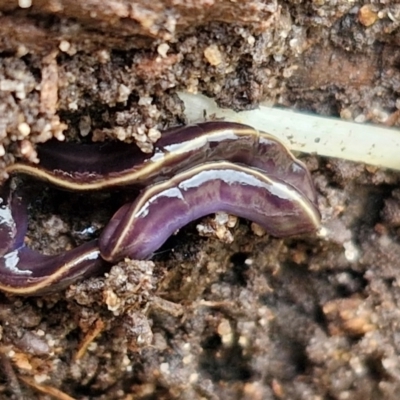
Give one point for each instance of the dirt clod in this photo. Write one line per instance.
(237, 314)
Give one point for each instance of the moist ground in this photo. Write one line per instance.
(311, 317)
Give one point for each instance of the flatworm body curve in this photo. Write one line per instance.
(100, 166)
(194, 171)
(141, 227)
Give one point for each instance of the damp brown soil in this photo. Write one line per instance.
(308, 317)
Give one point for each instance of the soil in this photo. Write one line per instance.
(310, 317)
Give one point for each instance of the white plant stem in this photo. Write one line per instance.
(369, 144)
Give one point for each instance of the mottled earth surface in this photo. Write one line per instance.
(239, 314)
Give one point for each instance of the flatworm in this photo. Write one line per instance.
(193, 171)
(99, 166)
(139, 228)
